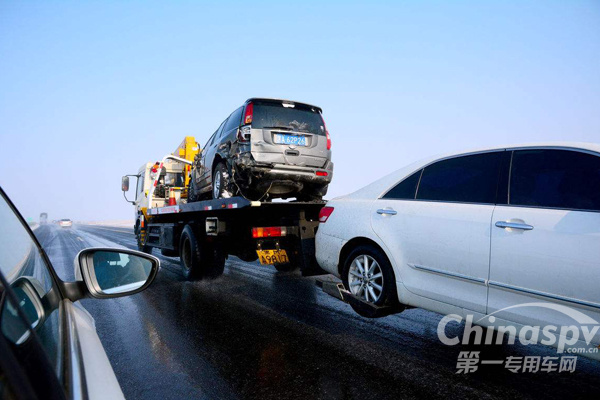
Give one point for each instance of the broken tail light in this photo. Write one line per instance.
(244, 133)
(325, 213)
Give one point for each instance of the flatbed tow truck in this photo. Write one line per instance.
(204, 233)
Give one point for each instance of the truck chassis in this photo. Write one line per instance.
(203, 234)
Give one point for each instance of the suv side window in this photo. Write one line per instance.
(465, 179)
(555, 179)
(406, 189)
(234, 120)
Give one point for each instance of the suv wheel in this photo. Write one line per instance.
(220, 182)
(192, 197)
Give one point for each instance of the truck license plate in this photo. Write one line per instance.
(272, 257)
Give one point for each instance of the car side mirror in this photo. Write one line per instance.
(109, 273)
(125, 183)
(27, 291)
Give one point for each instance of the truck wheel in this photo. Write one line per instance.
(143, 248)
(189, 252)
(368, 275)
(199, 260)
(220, 182)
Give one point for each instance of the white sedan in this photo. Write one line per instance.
(477, 233)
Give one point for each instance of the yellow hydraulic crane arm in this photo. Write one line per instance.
(187, 150)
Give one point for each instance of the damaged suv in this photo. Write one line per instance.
(265, 149)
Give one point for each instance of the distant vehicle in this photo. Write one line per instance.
(265, 149)
(43, 218)
(50, 348)
(475, 233)
(65, 223)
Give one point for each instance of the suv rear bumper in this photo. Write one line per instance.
(282, 172)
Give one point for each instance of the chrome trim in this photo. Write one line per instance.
(74, 377)
(513, 225)
(543, 294)
(387, 211)
(450, 274)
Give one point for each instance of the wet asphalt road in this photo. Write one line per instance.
(255, 333)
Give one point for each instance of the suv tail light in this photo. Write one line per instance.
(248, 113)
(244, 133)
(271, 231)
(327, 134)
(325, 213)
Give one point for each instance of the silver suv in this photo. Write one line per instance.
(265, 149)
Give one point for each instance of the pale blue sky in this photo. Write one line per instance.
(89, 91)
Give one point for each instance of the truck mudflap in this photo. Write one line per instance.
(368, 310)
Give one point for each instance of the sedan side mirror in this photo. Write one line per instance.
(111, 273)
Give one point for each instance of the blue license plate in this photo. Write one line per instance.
(279, 138)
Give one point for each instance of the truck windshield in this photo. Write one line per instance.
(300, 118)
(174, 179)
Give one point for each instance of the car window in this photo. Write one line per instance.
(209, 143)
(299, 118)
(234, 120)
(467, 179)
(140, 186)
(22, 260)
(555, 179)
(406, 189)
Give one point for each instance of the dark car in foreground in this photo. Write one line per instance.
(49, 348)
(266, 149)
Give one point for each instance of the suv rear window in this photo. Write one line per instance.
(300, 118)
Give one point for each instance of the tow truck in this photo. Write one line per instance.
(204, 233)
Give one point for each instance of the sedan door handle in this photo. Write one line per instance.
(513, 225)
(387, 211)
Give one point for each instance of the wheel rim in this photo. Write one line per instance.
(365, 278)
(217, 185)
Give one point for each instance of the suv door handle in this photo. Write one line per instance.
(387, 211)
(513, 225)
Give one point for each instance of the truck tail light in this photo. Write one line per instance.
(321, 173)
(271, 231)
(248, 113)
(325, 213)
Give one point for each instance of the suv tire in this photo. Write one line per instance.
(221, 182)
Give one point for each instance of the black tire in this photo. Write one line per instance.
(387, 296)
(221, 182)
(192, 196)
(199, 260)
(141, 247)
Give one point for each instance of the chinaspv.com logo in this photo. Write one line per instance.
(578, 334)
